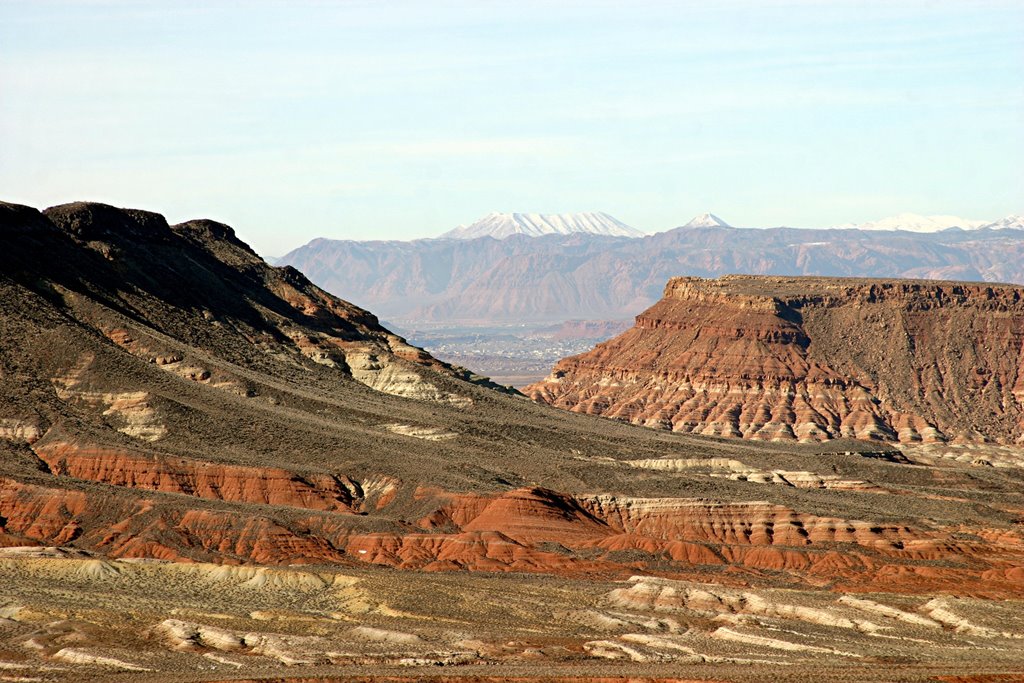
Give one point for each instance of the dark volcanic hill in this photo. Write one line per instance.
(812, 359)
(210, 468)
(562, 277)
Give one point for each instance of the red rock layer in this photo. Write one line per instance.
(120, 526)
(811, 359)
(542, 530)
(536, 530)
(264, 485)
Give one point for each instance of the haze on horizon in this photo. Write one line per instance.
(359, 120)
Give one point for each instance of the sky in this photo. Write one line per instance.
(400, 120)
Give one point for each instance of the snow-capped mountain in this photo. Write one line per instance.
(707, 220)
(502, 225)
(1014, 222)
(912, 222)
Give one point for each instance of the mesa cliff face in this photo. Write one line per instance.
(811, 359)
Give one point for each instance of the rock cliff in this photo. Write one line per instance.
(812, 359)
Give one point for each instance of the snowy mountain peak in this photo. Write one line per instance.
(502, 225)
(912, 222)
(1012, 222)
(707, 220)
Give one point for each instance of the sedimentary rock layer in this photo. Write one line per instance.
(812, 359)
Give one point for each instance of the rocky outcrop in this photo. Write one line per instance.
(541, 530)
(528, 530)
(199, 274)
(19, 429)
(812, 359)
(261, 485)
(120, 526)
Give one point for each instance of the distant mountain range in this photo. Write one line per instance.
(583, 276)
(912, 222)
(502, 225)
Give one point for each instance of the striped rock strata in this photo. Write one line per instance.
(811, 359)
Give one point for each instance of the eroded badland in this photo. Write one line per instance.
(211, 469)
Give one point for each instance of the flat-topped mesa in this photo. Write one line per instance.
(779, 292)
(812, 359)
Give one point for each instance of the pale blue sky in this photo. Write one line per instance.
(368, 120)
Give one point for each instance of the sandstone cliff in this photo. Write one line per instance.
(811, 359)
